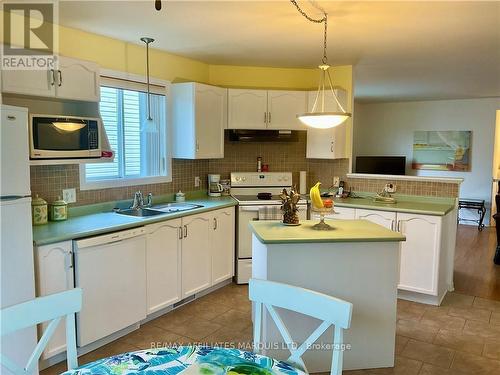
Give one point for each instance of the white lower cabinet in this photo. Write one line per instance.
(427, 255)
(420, 252)
(385, 218)
(222, 245)
(185, 256)
(196, 258)
(182, 257)
(163, 254)
(54, 274)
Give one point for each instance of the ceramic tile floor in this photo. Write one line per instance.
(460, 337)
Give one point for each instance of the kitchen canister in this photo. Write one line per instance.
(58, 210)
(180, 196)
(38, 211)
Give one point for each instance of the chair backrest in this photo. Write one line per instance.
(50, 308)
(332, 311)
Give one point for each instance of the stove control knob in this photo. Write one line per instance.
(238, 178)
(243, 178)
(285, 178)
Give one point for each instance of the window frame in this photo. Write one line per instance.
(134, 79)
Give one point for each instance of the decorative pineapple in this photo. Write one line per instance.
(289, 206)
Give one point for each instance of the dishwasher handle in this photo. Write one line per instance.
(109, 238)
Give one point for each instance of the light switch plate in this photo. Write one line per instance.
(197, 181)
(69, 195)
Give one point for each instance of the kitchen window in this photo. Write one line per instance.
(140, 146)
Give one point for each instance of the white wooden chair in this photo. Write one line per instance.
(38, 310)
(332, 311)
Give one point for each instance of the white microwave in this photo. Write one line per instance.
(64, 137)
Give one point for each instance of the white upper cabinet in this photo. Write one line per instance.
(199, 118)
(78, 80)
(265, 109)
(283, 108)
(327, 143)
(73, 79)
(29, 82)
(247, 109)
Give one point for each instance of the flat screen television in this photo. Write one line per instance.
(381, 164)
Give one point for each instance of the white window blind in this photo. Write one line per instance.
(140, 145)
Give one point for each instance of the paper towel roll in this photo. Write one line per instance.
(303, 182)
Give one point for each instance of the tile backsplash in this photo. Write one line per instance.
(427, 188)
(49, 181)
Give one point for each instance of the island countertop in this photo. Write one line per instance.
(274, 232)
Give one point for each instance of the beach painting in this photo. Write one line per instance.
(448, 150)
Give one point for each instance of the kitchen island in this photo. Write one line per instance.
(357, 261)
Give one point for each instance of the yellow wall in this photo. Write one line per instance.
(129, 57)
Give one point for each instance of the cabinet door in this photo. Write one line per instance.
(247, 109)
(222, 245)
(196, 265)
(211, 109)
(420, 252)
(29, 82)
(54, 274)
(163, 250)
(385, 218)
(77, 80)
(283, 108)
(327, 143)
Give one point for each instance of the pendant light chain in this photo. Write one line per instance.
(320, 117)
(316, 20)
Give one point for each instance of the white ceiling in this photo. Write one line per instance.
(400, 50)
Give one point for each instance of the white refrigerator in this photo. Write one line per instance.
(17, 279)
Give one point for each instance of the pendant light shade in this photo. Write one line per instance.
(323, 120)
(327, 112)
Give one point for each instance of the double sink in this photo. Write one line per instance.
(161, 209)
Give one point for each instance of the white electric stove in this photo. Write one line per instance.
(244, 188)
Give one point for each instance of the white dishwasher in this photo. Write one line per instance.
(111, 270)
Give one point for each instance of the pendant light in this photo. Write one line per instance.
(147, 41)
(318, 117)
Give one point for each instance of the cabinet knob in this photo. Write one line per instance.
(265, 117)
(60, 77)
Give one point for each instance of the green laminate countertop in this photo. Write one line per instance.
(404, 203)
(274, 232)
(90, 224)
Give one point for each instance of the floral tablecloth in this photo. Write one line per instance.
(195, 360)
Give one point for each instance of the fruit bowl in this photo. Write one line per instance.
(322, 213)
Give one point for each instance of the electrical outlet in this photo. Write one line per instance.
(69, 195)
(390, 188)
(197, 181)
(336, 181)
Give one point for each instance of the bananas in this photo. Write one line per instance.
(315, 195)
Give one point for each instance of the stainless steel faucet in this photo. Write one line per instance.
(139, 200)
